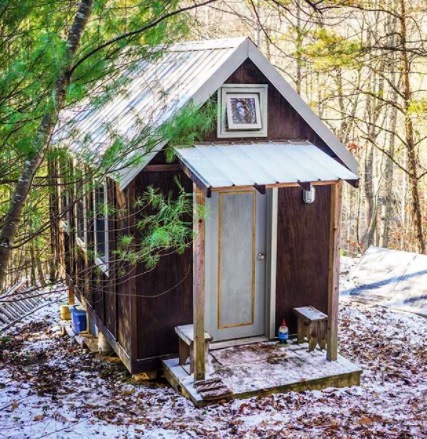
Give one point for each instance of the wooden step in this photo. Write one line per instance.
(213, 389)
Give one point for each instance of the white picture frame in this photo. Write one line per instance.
(242, 110)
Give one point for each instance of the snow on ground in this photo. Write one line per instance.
(346, 265)
(390, 278)
(51, 387)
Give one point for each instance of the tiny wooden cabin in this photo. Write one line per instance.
(270, 175)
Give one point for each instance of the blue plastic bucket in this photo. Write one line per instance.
(78, 318)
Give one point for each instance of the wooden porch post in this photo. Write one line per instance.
(334, 267)
(198, 285)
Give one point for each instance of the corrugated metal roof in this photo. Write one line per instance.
(227, 165)
(159, 87)
(156, 89)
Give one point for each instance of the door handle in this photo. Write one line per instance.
(261, 256)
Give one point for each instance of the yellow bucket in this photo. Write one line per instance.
(64, 310)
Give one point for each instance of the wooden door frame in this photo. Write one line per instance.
(271, 268)
(270, 329)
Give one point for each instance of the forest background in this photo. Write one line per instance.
(361, 66)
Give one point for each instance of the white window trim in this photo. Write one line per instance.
(65, 221)
(81, 243)
(64, 226)
(103, 265)
(242, 89)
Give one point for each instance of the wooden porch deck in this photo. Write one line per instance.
(263, 368)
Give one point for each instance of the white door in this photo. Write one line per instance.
(235, 265)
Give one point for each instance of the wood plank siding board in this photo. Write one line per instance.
(133, 364)
(132, 275)
(124, 282)
(98, 292)
(303, 240)
(170, 282)
(90, 243)
(110, 281)
(101, 292)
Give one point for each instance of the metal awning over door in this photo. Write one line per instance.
(215, 166)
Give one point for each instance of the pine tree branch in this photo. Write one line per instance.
(44, 131)
(136, 32)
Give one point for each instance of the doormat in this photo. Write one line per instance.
(252, 353)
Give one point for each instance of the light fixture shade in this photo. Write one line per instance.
(308, 196)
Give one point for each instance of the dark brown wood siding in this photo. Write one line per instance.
(169, 285)
(283, 121)
(108, 296)
(125, 272)
(110, 287)
(303, 238)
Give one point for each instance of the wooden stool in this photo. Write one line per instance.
(186, 344)
(312, 324)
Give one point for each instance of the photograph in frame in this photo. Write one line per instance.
(243, 111)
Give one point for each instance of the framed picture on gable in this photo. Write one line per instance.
(242, 110)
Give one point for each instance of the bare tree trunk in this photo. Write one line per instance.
(298, 44)
(389, 197)
(411, 152)
(348, 112)
(389, 207)
(374, 109)
(369, 164)
(54, 210)
(40, 273)
(41, 140)
(371, 205)
(388, 210)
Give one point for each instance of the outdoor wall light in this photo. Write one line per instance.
(308, 196)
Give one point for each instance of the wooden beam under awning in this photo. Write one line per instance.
(276, 185)
(354, 183)
(207, 190)
(165, 167)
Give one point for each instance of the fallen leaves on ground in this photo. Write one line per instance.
(48, 383)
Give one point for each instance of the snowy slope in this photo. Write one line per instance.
(391, 278)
